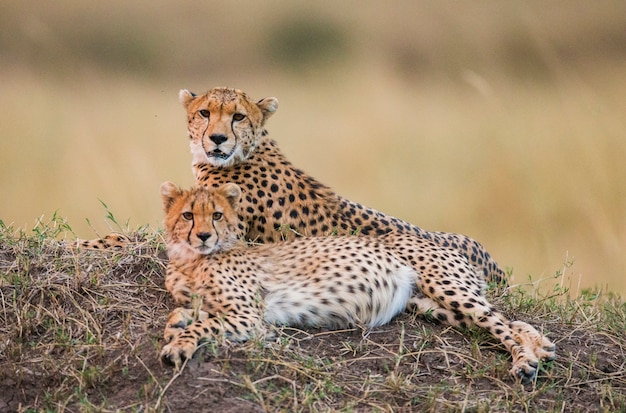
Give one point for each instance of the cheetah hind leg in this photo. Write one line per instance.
(426, 306)
(521, 345)
(525, 344)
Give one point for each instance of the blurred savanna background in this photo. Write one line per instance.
(505, 121)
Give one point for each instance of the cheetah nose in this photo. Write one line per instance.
(218, 138)
(204, 236)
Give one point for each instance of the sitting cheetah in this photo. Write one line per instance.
(330, 282)
(229, 144)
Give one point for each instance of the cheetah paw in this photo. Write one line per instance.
(175, 354)
(178, 320)
(525, 370)
(530, 338)
(545, 350)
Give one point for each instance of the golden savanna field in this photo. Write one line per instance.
(505, 121)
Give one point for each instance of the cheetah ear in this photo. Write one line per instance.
(232, 193)
(268, 106)
(185, 97)
(169, 193)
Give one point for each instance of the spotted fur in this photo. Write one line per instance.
(228, 290)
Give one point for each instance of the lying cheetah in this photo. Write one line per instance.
(229, 144)
(228, 290)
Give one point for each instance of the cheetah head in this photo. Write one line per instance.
(224, 124)
(200, 220)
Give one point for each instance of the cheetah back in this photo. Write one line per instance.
(281, 201)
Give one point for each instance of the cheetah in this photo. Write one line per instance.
(229, 143)
(227, 290)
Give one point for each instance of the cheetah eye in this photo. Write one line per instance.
(217, 216)
(188, 216)
(204, 113)
(237, 117)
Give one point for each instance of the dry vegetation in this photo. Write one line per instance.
(81, 331)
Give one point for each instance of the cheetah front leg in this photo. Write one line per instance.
(179, 320)
(184, 343)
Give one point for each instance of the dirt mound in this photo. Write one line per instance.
(81, 331)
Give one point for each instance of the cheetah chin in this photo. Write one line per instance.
(218, 154)
(204, 249)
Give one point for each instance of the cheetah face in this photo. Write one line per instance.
(201, 220)
(224, 124)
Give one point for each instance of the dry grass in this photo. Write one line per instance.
(73, 321)
(81, 331)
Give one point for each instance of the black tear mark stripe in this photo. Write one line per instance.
(217, 233)
(193, 223)
(232, 129)
(204, 135)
